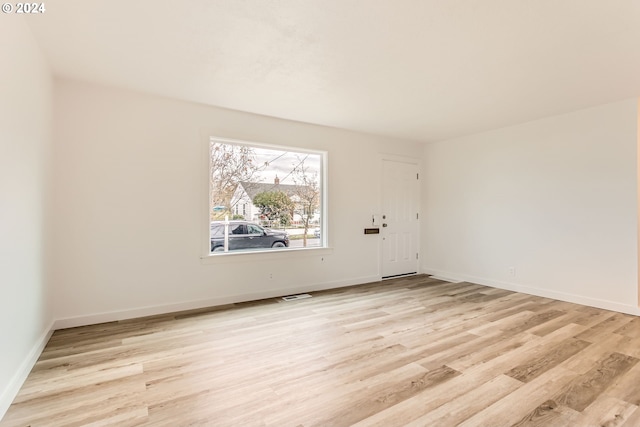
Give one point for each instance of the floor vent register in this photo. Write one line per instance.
(295, 297)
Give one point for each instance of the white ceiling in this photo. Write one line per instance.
(416, 69)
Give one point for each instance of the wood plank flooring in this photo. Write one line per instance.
(413, 351)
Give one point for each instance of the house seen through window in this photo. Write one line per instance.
(264, 198)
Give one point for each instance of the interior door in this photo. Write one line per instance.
(400, 222)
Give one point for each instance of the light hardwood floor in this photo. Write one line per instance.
(413, 351)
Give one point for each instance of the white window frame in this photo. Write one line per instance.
(323, 249)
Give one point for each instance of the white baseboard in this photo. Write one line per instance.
(444, 279)
(112, 316)
(530, 290)
(10, 391)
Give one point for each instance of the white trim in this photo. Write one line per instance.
(112, 316)
(247, 256)
(209, 137)
(400, 159)
(266, 145)
(9, 393)
(531, 290)
(443, 279)
(205, 244)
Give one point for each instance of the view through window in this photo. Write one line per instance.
(264, 198)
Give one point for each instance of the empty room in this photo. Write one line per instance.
(319, 213)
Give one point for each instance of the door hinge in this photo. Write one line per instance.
(417, 176)
(417, 216)
(416, 255)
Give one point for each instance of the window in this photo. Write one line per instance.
(255, 230)
(265, 198)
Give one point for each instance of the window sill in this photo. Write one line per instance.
(240, 257)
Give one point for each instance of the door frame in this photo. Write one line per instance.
(382, 157)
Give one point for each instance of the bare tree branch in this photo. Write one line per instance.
(229, 165)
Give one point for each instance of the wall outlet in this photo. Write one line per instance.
(512, 271)
(270, 276)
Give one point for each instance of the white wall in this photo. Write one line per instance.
(25, 135)
(130, 180)
(556, 199)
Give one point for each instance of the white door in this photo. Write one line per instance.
(400, 223)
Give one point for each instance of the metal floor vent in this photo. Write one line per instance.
(295, 297)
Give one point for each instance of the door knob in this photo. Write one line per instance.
(384, 225)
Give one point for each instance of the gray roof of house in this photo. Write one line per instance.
(255, 188)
